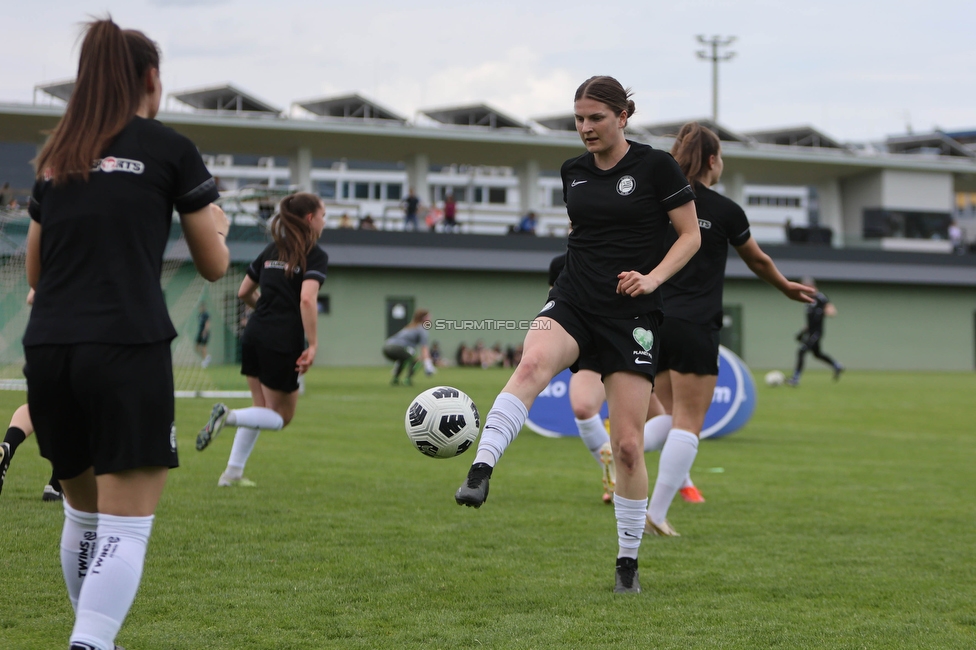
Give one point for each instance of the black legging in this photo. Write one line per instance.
(811, 344)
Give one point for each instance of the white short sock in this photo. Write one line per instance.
(113, 579)
(630, 524)
(502, 424)
(255, 417)
(79, 538)
(656, 432)
(677, 457)
(244, 441)
(594, 434)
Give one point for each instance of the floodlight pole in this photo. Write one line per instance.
(716, 42)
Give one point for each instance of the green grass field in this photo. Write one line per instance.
(842, 516)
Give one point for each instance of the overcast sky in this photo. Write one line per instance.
(855, 69)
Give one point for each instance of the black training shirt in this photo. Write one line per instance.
(815, 313)
(102, 241)
(620, 220)
(694, 293)
(276, 323)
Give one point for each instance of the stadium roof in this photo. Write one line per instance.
(565, 122)
(225, 98)
(936, 143)
(59, 89)
(798, 136)
(670, 129)
(234, 133)
(352, 107)
(480, 115)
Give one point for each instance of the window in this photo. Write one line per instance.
(497, 195)
(345, 189)
(394, 191)
(479, 195)
(557, 197)
(361, 190)
(460, 193)
(326, 189)
(377, 191)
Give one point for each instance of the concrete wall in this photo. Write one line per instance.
(884, 327)
(925, 192)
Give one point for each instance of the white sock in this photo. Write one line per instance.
(656, 432)
(79, 538)
(112, 580)
(594, 434)
(502, 424)
(677, 457)
(687, 483)
(630, 524)
(255, 417)
(244, 441)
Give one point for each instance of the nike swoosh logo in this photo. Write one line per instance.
(631, 535)
(643, 362)
(575, 183)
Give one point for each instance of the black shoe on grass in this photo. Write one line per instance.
(474, 491)
(5, 457)
(216, 422)
(627, 580)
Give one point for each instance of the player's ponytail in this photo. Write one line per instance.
(609, 91)
(107, 93)
(692, 148)
(293, 235)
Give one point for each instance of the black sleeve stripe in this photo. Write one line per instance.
(686, 187)
(679, 198)
(202, 189)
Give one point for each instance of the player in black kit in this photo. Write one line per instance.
(97, 346)
(604, 307)
(811, 336)
(282, 286)
(688, 362)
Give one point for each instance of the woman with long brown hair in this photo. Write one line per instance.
(604, 309)
(282, 286)
(97, 346)
(688, 362)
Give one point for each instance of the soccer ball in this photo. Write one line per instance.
(775, 378)
(442, 422)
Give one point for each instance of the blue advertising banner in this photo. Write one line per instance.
(733, 402)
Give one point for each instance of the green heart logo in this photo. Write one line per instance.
(644, 338)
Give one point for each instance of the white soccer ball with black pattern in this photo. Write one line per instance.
(442, 422)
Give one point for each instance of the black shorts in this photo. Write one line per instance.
(609, 345)
(689, 348)
(276, 370)
(202, 339)
(104, 406)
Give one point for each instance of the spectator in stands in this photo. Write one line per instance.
(513, 355)
(345, 222)
(434, 216)
(955, 238)
(411, 205)
(367, 223)
(461, 353)
(435, 355)
(450, 213)
(527, 224)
